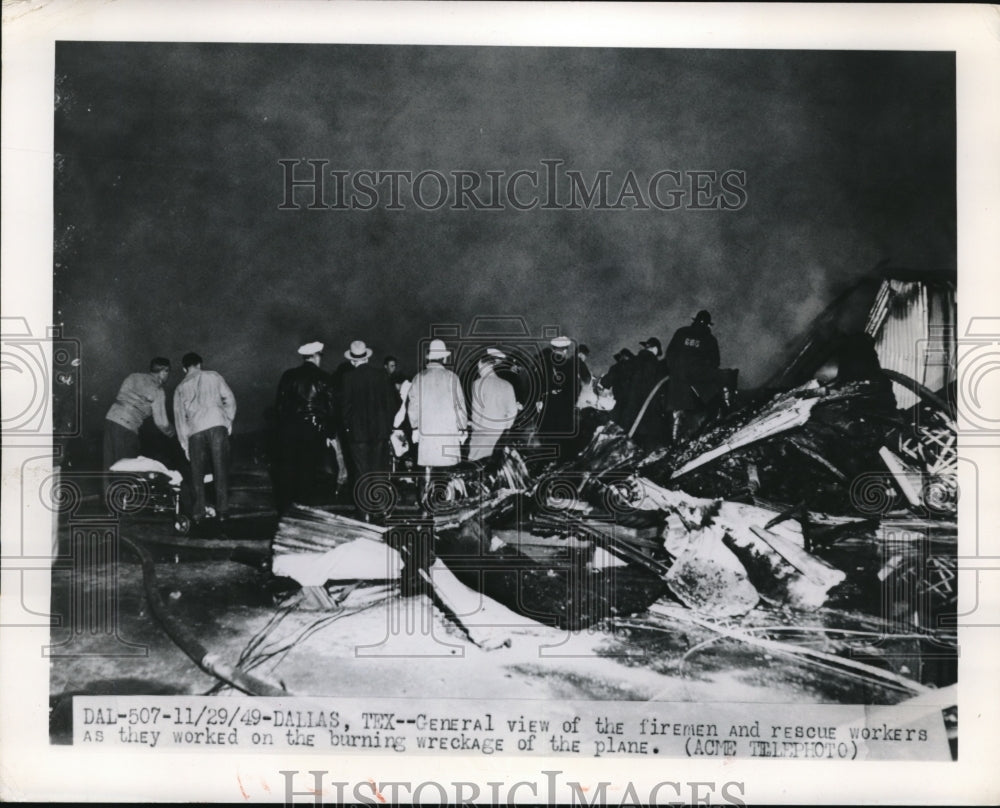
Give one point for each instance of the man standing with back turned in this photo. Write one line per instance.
(368, 402)
(693, 361)
(306, 425)
(557, 425)
(436, 406)
(641, 402)
(204, 409)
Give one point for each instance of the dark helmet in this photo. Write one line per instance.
(653, 342)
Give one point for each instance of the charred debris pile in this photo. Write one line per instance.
(822, 514)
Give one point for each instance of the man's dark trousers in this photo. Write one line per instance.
(210, 446)
(119, 443)
(367, 457)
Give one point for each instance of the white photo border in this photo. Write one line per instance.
(31, 768)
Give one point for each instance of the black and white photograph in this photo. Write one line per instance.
(577, 406)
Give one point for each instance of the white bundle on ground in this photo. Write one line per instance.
(360, 559)
(140, 464)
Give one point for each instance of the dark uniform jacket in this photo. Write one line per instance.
(641, 376)
(368, 402)
(561, 388)
(616, 378)
(305, 396)
(693, 360)
(305, 467)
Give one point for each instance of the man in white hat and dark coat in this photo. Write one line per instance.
(561, 387)
(437, 412)
(368, 402)
(306, 430)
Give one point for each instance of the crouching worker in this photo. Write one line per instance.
(140, 396)
(204, 409)
(855, 360)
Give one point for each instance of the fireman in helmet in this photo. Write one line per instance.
(693, 362)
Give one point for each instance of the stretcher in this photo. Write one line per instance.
(163, 490)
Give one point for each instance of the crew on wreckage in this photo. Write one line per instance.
(526, 466)
(669, 407)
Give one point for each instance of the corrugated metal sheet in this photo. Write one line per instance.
(913, 328)
(940, 355)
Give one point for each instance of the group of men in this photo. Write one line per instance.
(329, 421)
(359, 408)
(342, 426)
(658, 393)
(204, 410)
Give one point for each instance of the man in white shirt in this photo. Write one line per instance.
(204, 409)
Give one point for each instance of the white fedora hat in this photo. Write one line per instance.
(561, 342)
(438, 350)
(358, 350)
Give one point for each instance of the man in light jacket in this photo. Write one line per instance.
(437, 412)
(140, 396)
(204, 409)
(494, 407)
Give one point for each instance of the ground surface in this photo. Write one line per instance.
(378, 642)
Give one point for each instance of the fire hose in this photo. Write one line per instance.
(645, 405)
(210, 662)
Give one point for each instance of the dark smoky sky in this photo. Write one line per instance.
(169, 237)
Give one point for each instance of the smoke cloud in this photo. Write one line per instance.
(169, 236)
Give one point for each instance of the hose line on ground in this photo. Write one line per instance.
(209, 662)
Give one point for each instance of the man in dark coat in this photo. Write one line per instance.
(368, 402)
(560, 389)
(306, 428)
(640, 409)
(693, 361)
(615, 380)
